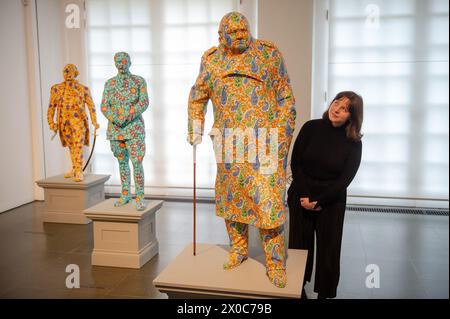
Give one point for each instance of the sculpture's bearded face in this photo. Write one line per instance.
(70, 72)
(122, 61)
(234, 32)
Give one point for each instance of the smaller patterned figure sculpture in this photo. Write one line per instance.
(68, 99)
(124, 100)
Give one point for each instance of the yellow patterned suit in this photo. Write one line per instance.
(68, 99)
(247, 82)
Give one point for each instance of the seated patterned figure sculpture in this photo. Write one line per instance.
(124, 100)
(249, 87)
(68, 99)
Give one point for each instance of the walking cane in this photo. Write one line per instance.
(92, 150)
(195, 199)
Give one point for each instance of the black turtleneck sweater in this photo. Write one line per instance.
(324, 162)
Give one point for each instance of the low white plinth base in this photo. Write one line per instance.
(123, 236)
(202, 276)
(65, 199)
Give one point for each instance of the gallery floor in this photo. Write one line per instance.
(411, 252)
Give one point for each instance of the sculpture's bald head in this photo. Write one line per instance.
(70, 72)
(122, 61)
(234, 32)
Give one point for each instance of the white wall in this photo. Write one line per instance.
(319, 75)
(40, 48)
(16, 162)
(50, 27)
(289, 24)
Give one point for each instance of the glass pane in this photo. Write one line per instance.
(395, 54)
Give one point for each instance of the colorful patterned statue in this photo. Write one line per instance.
(249, 87)
(124, 100)
(68, 99)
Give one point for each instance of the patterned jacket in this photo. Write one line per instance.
(248, 91)
(124, 100)
(68, 99)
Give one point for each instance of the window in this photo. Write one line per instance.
(395, 54)
(165, 39)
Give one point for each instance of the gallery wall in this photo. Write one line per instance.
(51, 62)
(35, 47)
(289, 24)
(16, 159)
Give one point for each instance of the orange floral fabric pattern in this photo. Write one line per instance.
(68, 100)
(249, 87)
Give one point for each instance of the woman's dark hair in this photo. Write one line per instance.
(354, 123)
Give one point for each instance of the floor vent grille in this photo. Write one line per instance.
(397, 210)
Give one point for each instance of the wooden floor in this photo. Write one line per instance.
(411, 251)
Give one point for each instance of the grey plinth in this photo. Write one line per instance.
(123, 236)
(65, 199)
(202, 276)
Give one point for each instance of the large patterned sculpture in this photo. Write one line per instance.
(124, 100)
(69, 99)
(247, 82)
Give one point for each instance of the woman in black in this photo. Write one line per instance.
(325, 158)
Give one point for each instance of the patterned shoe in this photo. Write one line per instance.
(277, 277)
(140, 203)
(234, 260)
(69, 174)
(78, 177)
(123, 200)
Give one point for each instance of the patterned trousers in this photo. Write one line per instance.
(125, 150)
(272, 241)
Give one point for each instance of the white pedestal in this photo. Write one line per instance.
(202, 276)
(123, 236)
(65, 199)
